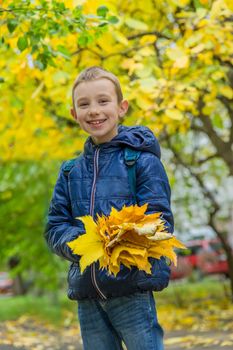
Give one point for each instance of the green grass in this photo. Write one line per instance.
(181, 292)
(58, 311)
(42, 307)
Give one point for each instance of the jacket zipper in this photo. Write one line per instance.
(93, 276)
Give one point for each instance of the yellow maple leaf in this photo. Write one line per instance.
(132, 256)
(127, 236)
(89, 245)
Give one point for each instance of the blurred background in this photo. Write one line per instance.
(174, 61)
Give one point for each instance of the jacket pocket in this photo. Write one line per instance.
(76, 287)
(159, 278)
(80, 285)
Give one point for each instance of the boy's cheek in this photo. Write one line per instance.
(74, 115)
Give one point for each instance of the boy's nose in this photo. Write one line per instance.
(93, 110)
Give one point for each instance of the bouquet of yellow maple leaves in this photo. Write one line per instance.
(128, 237)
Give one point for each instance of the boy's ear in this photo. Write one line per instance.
(72, 112)
(124, 105)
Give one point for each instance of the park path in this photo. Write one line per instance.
(212, 340)
(31, 336)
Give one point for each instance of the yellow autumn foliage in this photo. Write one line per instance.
(167, 55)
(128, 237)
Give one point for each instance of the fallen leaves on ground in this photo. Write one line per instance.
(213, 340)
(194, 316)
(128, 236)
(31, 334)
(201, 315)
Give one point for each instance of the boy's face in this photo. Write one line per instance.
(96, 109)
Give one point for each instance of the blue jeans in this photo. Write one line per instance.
(131, 319)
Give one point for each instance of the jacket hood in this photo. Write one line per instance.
(140, 138)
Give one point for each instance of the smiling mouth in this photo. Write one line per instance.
(96, 122)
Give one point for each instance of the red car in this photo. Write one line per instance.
(183, 269)
(204, 256)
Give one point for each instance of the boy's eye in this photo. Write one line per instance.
(83, 104)
(103, 101)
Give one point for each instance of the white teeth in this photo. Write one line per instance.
(96, 122)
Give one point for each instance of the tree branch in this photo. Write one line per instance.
(212, 213)
(160, 62)
(223, 63)
(127, 51)
(154, 32)
(87, 49)
(120, 53)
(222, 147)
(18, 9)
(204, 160)
(199, 180)
(226, 103)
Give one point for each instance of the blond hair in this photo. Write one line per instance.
(95, 72)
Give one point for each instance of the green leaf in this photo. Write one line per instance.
(22, 43)
(174, 114)
(102, 11)
(113, 19)
(201, 12)
(83, 40)
(51, 62)
(217, 121)
(34, 48)
(63, 51)
(77, 12)
(197, 4)
(35, 39)
(2, 80)
(39, 65)
(11, 25)
(16, 102)
(136, 24)
(103, 24)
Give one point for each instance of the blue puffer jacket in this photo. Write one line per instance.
(97, 182)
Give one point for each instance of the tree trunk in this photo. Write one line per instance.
(228, 250)
(19, 287)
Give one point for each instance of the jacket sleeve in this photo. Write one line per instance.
(153, 187)
(61, 226)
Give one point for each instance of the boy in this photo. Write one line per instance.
(111, 309)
